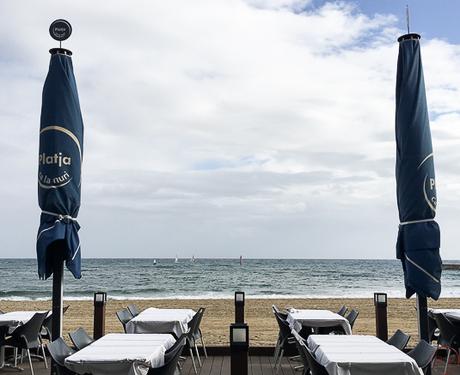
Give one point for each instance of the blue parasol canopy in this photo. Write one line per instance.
(419, 236)
(59, 170)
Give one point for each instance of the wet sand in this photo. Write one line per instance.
(220, 313)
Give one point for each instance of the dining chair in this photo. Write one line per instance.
(449, 337)
(298, 343)
(399, 340)
(27, 336)
(352, 316)
(46, 330)
(285, 341)
(423, 354)
(342, 311)
(80, 339)
(316, 368)
(171, 360)
(124, 316)
(59, 351)
(133, 310)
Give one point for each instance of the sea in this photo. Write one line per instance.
(216, 278)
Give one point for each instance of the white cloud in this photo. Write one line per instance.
(224, 125)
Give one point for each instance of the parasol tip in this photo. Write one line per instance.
(409, 36)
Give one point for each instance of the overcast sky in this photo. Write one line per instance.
(226, 127)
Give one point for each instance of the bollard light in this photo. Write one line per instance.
(239, 346)
(380, 298)
(381, 316)
(100, 300)
(239, 307)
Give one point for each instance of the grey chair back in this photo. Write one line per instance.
(124, 316)
(80, 338)
(352, 316)
(26, 336)
(133, 310)
(423, 354)
(399, 340)
(342, 311)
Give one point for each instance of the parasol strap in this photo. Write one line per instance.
(416, 221)
(59, 216)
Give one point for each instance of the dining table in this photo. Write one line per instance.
(156, 320)
(360, 355)
(298, 318)
(121, 354)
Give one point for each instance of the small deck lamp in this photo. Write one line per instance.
(239, 346)
(100, 300)
(381, 316)
(239, 307)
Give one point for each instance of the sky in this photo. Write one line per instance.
(220, 128)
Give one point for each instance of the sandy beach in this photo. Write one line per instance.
(220, 313)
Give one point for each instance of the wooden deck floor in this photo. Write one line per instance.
(220, 365)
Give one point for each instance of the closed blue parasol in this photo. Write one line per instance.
(419, 236)
(59, 171)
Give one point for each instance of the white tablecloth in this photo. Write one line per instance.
(16, 318)
(360, 355)
(121, 354)
(317, 319)
(153, 320)
(453, 314)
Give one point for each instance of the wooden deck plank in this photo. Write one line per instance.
(220, 365)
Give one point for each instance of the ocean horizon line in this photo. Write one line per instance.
(222, 258)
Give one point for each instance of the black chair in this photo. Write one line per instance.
(26, 337)
(286, 341)
(133, 310)
(281, 313)
(352, 316)
(449, 337)
(46, 330)
(193, 332)
(399, 340)
(342, 311)
(124, 316)
(197, 334)
(59, 351)
(80, 339)
(298, 343)
(433, 330)
(172, 356)
(316, 368)
(423, 354)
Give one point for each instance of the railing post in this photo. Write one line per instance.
(100, 299)
(381, 317)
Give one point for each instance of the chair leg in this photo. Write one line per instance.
(30, 362)
(198, 356)
(193, 360)
(204, 347)
(277, 351)
(44, 356)
(447, 361)
(280, 359)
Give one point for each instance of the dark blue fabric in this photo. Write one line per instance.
(59, 172)
(418, 243)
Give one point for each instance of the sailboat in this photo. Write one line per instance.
(176, 260)
(154, 262)
(193, 259)
(241, 260)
